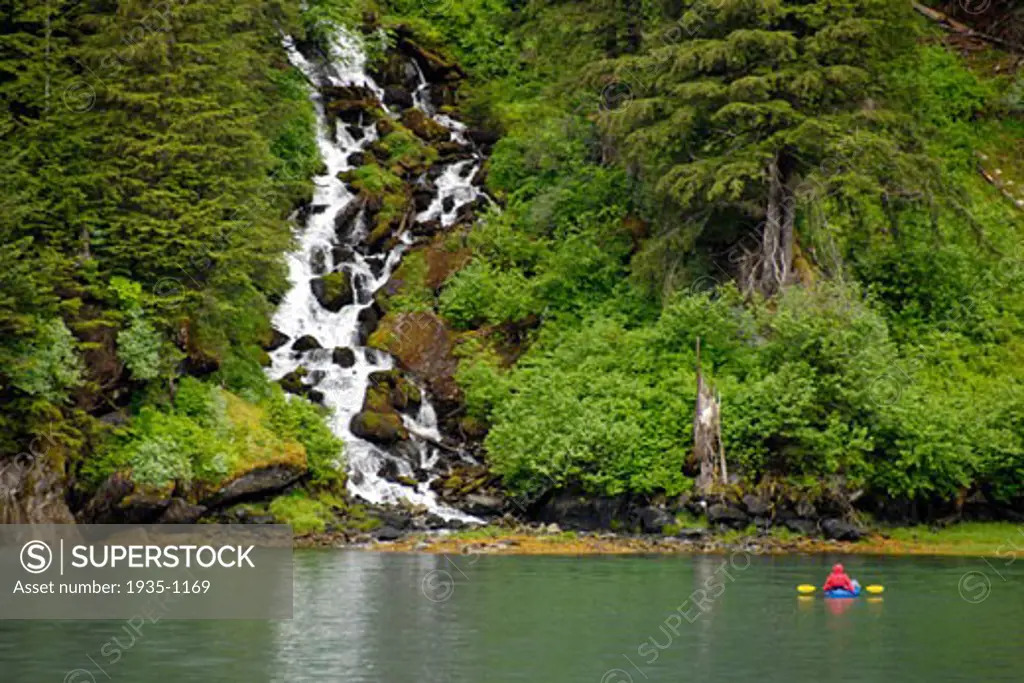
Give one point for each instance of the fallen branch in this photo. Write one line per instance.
(954, 26)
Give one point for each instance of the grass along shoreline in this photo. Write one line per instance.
(972, 539)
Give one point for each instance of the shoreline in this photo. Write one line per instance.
(984, 540)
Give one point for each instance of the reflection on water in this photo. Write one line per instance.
(362, 617)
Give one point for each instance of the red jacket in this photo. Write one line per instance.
(838, 579)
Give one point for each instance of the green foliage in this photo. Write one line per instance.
(302, 421)
(307, 512)
(46, 365)
(373, 180)
(479, 295)
(209, 434)
(151, 154)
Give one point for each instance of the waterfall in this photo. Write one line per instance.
(321, 251)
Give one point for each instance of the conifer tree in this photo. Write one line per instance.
(37, 153)
(741, 111)
(187, 190)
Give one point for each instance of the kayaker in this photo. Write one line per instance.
(838, 579)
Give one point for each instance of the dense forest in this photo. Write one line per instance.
(828, 194)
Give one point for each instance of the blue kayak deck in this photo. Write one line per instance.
(843, 593)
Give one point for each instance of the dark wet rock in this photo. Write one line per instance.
(340, 254)
(306, 343)
(377, 264)
(757, 506)
(350, 103)
(380, 154)
(333, 291)
(318, 261)
(436, 67)
(398, 97)
(693, 534)
(483, 505)
(808, 527)
(293, 381)
(394, 517)
(805, 508)
(319, 208)
(316, 396)
(652, 520)
(465, 213)
(356, 132)
(443, 94)
(423, 197)
(180, 511)
(448, 204)
(389, 470)
(302, 213)
(143, 508)
(424, 127)
(434, 522)
(356, 159)
(484, 138)
(380, 428)
(426, 228)
(453, 150)
(104, 506)
(243, 515)
(368, 321)
(480, 177)
(407, 451)
(387, 533)
(345, 220)
(839, 530)
(277, 340)
(586, 513)
(729, 515)
(435, 172)
(343, 357)
(256, 484)
(397, 70)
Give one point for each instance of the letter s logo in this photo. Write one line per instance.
(36, 557)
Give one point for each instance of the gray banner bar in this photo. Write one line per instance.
(152, 572)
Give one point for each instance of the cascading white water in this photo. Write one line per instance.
(301, 314)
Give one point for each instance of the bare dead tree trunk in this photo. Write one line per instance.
(707, 434)
(768, 266)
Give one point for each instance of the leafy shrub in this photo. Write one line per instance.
(481, 294)
(46, 364)
(302, 421)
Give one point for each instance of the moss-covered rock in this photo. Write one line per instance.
(292, 382)
(380, 428)
(390, 391)
(424, 127)
(424, 345)
(351, 102)
(333, 290)
(403, 153)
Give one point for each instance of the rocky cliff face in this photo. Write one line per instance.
(32, 491)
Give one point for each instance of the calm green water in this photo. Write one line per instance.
(424, 619)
